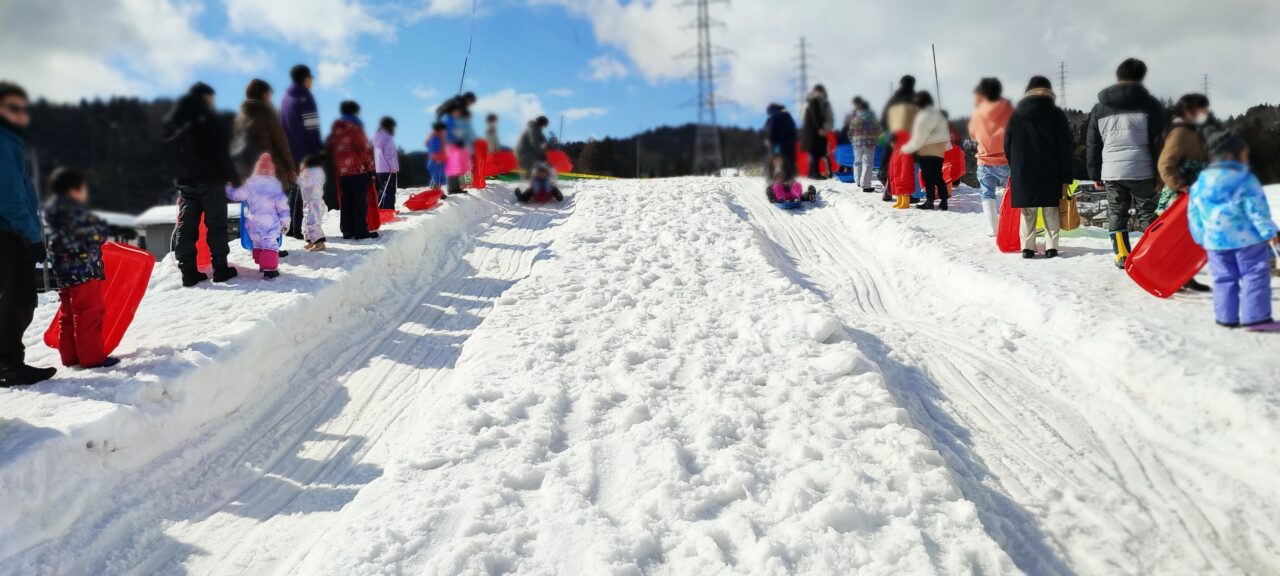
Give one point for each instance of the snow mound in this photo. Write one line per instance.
(193, 356)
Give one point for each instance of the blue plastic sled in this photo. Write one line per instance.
(245, 241)
(845, 156)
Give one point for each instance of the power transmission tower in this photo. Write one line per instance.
(708, 157)
(804, 74)
(1062, 82)
(1206, 85)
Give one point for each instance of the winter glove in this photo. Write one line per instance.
(37, 253)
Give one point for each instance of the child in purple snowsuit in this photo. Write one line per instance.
(266, 214)
(1228, 215)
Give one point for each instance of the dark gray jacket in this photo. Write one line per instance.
(1126, 129)
(532, 147)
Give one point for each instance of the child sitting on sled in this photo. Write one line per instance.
(436, 156)
(542, 183)
(784, 190)
(311, 180)
(1229, 216)
(75, 253)
(266, 214)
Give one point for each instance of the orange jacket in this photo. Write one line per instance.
(987, 129)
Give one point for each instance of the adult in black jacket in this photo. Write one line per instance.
(199, 156)
(780, 140)
(1039, 146)
(461, 101)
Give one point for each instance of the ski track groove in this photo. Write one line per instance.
(999, 403)
(503, 252)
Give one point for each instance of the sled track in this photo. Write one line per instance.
(262, 494)
(1035, 432)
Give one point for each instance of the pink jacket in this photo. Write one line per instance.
(987, 129)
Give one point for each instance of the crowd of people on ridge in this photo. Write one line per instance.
(274, 161)
(1141, 158)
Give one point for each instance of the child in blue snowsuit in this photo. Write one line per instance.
(436, 155)
(1228, 215)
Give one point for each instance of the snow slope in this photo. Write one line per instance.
(659, 377)
(193, 356)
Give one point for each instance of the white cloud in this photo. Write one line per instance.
(606, 67)
(560, 92)
(1234, 42)
(580, 113)
(327, 29)
(424, 93)
(62, 50)
(447, 8)
(510, 105)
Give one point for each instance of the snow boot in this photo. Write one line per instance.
(557, 194)
(870, 189)
(925, 205)
(221, 275)
(1029, 254)
(283, 253)
(1051, 253)
(1120, 245)
(192, 277)
(107, 362)
(810, 195)
(992, 215)
(270, 274)
(21, 374)
(317, 246)
(1193, 286)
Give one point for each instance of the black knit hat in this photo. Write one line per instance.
(1225, 144)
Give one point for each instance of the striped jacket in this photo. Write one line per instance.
(1126, 129)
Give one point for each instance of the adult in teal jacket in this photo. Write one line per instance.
(21, 242)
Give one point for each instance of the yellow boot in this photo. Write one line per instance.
(904, 202)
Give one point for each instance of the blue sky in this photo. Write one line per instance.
(613, 66)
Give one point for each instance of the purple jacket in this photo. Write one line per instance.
(301, 122)
(386, 157)
(266, 210)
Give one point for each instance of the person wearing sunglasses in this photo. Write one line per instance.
(21, 241)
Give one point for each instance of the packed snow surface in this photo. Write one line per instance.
(656, 377)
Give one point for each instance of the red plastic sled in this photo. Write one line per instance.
(500, 162)
(204, 258)
(128, 270)
(560, 161)
(1166, 256)
(1009, 235)
(423, 200)
(385, 216)
(478, 169)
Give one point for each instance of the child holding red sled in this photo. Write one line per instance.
(266, 214)
(75, 251)
(1229, 216)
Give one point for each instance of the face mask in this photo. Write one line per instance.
(1202, 118)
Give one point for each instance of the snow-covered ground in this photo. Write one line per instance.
(657, 377)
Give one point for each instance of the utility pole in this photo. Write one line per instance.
(708, 156)
(35, 180)
(1062, 82)
(936, 84)
(804, 74)
(562, 128)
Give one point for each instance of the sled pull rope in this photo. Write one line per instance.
(470, 42)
